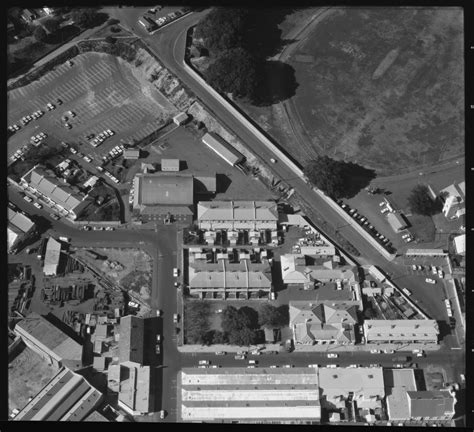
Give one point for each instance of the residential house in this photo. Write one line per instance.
(420, 331)
(454, 197)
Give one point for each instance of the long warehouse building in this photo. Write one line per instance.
(250, 395)
(222, 148)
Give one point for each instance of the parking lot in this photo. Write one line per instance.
(101, 91)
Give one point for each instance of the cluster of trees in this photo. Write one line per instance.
(338, 179)
(239, 326)
(421, 203)
(234, 69)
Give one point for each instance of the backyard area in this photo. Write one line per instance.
(382, 87)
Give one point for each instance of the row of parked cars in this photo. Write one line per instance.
(100, 138)
(366, 224)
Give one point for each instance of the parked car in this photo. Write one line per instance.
(332, 355)
(240, 357)
(331, 366)
(162, 414)
(430, 281)
(27, 199)
(175, 318)
(175, 272)
(374, 351)
(221, 353)
(37, 205)
(203, 362)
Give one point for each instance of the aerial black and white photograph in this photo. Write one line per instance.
(237, 215)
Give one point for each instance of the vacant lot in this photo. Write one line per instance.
(28, 373)
(134, 271)
(102, 91)
(386, 86)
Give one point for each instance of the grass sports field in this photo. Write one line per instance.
(384, 86)
(103, 93)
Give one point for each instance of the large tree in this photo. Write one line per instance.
(40, 34)
(420, 201)
(327, 174)
(221, 29)
(51, 25)
(270, 316)
(85, 17)
(234, 71)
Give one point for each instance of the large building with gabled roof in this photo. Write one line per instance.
(20, 227)
(237, 215)
(132, 339)
(163, 197)
(58, 194)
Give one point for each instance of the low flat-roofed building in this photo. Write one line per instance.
(326, 250)
(67, 397)
(131, 342)
(249, 395)
(91, 182)
(220, 146)
(170, 165)
(65, 197)
(431, 405)
(131, 154)
(164, 198)
(364, 384)
(52, 257)
(49, 341)
(227, 280)
(396, 221)
(135, 394)
(401, 331)
(460, 244)
(397, 382)
(20, 227)
(180, 118)
(426, 252)
(235, 215)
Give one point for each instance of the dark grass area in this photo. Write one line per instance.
(410, 112)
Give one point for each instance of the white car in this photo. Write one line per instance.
(109, 228)
(272, 160)
(133, 304)
(382, 203)
(313, 366)
(332, 355)
(73, 150)
(353, 366)
(441, 274)
(288, 366)
(203, 362)
(27, 199)
(387, 351)
(414, 267)
(331, 366)
(273, 366)
(430, 281)
(37, 205)
(175, 272)
(162, 414)
(434, 270)
(374, 351)
(384, 210)
(87, 159)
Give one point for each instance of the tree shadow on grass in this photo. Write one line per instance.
(62, 35)
(277, 83)
(262, 37)
(357, 178)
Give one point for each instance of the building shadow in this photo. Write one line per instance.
(222, 183)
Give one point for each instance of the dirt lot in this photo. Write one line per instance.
(104, 93)
(135, 271)
(383, 87)
(28, 373)
(198, 159)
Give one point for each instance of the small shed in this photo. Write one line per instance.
(396, 221)
(169, 164)
(131, 154)
(180, 119)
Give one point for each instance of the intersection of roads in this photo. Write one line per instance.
(169, 45)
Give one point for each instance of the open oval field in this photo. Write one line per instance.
(384, 87)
